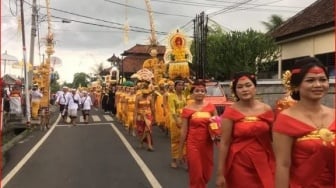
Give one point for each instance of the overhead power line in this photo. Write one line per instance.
(108, 26)
(229, 8)
(92, 18)
(129, 6)
(220, 3)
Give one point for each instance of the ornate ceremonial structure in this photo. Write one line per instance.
(41, 75)
(178, 56)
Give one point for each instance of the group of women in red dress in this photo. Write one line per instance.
(260, 149)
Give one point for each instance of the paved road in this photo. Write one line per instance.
(100, 154)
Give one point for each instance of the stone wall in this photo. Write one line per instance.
(271, 90)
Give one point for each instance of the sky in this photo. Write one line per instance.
(94, 30)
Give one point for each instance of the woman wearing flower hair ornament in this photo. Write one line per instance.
(245, 157)
(304, 134)
(194, 132)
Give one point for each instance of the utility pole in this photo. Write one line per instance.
(32, 41)
(25, 66)
(200, 38)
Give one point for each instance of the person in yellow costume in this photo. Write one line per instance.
(187, 87)
(36, 96)
(130, 108)
(144, 116)
(158, 101)
(166, 113)
(123, 100)
(150, 63)
(176, 102)
(117, 102)
(122, 104)
(155, 65)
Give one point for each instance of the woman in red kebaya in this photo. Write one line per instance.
(304, 134)
(246, 158)
(194, 131)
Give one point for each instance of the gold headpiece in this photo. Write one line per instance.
(146, 91)
(163, 81)
(170, 83)
(286, 77)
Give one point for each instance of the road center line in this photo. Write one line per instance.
(148, 173)
(24, 160)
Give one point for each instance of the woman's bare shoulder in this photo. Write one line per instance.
(329, 110)
(265, 106)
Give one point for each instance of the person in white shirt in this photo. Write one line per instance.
(61, 100)
(36, 96)
(74, 101)
(86, 106)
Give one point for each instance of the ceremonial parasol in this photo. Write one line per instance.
(6, 58)
(55, 61)
(20, 65)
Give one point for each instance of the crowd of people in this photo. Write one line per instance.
(260, 146)
(71, 101)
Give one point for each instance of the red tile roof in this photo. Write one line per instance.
(135, 56)
(317, 16)
(143, 49)
(133, 63)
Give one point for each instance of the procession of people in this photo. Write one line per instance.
(264, 146)
(289, 145)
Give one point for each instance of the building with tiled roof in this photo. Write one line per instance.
(311, 32)
(134, 57)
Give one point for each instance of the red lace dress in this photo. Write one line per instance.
(313, 153)
(250, 161)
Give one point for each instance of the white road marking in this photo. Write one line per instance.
(23, 161)
(81, 119)
(148, 173)
(108, 117)
(95, 118)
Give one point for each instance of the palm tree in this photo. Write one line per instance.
(98, 71)
(273, 22)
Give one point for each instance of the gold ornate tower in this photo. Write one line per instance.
(41, 76)
(45, 67)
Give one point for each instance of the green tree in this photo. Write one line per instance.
(54, 85)
(238, 51)
(80, 79)
(273, 22)
(69, 85)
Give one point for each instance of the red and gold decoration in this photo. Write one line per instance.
(286, 101)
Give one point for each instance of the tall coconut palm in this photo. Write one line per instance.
(273, 22)
(99, 71)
